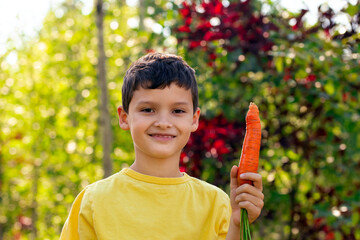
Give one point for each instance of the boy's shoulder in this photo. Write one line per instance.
(207, 187)
(105, 184)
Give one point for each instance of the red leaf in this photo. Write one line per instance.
(188, 21)
(287, 77)
(182, 169)
(311, 78)
(194, 44)
(184, 29)
(212, 56)
(208, 36)
(218, 8)
(205, 26)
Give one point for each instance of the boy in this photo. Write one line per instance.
(152, 199)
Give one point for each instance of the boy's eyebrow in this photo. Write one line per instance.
(145, 102)
(150, 102)
(182, 103)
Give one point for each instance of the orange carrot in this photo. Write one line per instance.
(249, 159)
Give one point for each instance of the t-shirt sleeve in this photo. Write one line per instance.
(79, 224)
(224, 217)
(86, 220)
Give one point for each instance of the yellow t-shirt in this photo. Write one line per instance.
(130, 206)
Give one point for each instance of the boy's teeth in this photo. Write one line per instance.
(164, 136)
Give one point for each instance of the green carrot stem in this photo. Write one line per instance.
(244, 226)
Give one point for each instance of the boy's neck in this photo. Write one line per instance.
(157, 167)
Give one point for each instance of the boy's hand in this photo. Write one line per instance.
(245, 196)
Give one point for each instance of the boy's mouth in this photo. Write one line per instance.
(161, 136)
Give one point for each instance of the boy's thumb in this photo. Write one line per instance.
(233, 177)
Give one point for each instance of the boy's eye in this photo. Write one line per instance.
(147, 110)
(179, 111)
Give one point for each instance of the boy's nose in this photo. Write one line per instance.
(163, 122)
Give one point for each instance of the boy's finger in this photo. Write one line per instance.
(233, 178)
(257, 201)
(253, 211)
(254, 177)
(247, 190)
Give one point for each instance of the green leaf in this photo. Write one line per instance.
(300, 74)
(357, 234)
(355, 218)
(329, 88)
(352, 9)
(338, 235)
(279, 64)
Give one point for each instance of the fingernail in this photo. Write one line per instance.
(242, 175)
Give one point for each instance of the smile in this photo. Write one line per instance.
(161, 136)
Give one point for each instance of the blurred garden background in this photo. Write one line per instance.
(60, 88)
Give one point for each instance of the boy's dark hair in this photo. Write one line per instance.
(158, 70)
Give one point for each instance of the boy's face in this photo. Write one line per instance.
(160, 121)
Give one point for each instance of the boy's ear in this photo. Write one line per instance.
(195, 123)
(123, 121)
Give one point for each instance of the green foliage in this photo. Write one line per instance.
(307, 91)
(306, 87)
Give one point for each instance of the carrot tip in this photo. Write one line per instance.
(253, 106)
